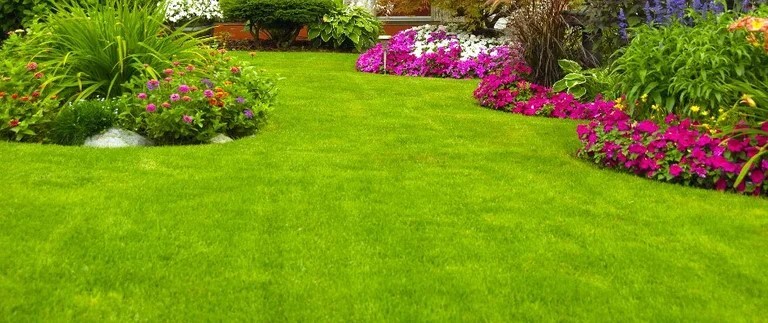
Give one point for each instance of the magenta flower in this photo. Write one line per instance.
(142, 96)
(184, 88)
(208, 93)
(151, 108)
(175, 97)
(187, 119)
(675, 170)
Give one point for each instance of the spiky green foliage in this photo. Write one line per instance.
(92, 49)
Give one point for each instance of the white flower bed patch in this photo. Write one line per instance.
(184, 10)
(430, 38)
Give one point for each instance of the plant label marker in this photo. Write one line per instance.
(384, 40)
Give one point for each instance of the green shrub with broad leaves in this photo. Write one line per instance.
(192, 104)
(583, 84)
(347, 27)
(80, 120)
(689, 71)
(280, 19)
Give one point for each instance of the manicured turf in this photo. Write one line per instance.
(369, 198)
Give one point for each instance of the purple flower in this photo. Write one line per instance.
(184, 88)
(187, 119)
(151, 108)
(208, 93)
(153, 84)
(648, 13)
(207, 83)
(623, 25)
(676, 8)
(175, 97)
(240, 99)
(248, 114)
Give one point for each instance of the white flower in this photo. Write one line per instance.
(180, 10)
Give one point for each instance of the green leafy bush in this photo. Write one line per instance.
(686, 70)
(76, 122)
(280, 19)
(193, 104)
(347, 27)
(92, 49)
(583, 84)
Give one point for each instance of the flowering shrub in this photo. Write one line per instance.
(178, 11)
(684, 152)
(441, 51)
(508, 91)
(193, 104)
(26, 106)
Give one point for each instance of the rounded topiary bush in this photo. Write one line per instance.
(280, 19)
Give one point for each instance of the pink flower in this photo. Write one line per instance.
(142, 96)
(175, 97)
(184, 88)
(190, 68)
(235, 70)
(151, 108)
(187, 119)
(168, 71)
(208, 93)
(31, 66)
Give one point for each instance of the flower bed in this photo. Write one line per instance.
(508, 91)
(441, 51)
(684, 152)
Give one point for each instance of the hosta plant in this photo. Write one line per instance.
(347, 26)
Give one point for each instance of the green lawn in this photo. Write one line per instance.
(370, 198)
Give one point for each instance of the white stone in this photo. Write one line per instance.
(117, 138)
(220, 139)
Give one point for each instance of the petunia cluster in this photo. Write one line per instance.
(683, 151)
(441, 51)
(508, 91)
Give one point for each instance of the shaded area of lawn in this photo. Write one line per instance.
(369, 197)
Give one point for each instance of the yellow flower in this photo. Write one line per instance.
(695, 109)
(747, 99)
(655, 107)
(755, 25)
(705, 113)
(644, 98)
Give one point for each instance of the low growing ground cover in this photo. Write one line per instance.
(369, 197)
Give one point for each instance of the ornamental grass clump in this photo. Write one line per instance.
(92, 49)
(441, 51)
